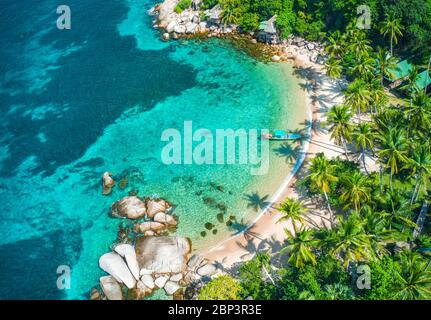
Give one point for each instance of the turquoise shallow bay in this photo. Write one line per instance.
(101, 102)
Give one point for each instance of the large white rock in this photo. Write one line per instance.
(191, 27)
(127, 251)
(111, 288)
(165, 218)
(129, 207)
(180, 29)
(163, 254)
(148, 281)
(145, 272)
(113, 264)
(161, 281)
(171, 287)
(207, 270)
(176, 277)
(171, 26)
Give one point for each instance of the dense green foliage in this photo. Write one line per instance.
(183, 5)
(222, 287)
(316, 19)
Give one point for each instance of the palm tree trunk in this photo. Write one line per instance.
(381, 179)
(363, 160)
(419, 188)
(392, 48)
(329, 208)
(345, 149)
(390, 181)
(414, 191)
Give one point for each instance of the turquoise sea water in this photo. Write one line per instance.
(76, 103)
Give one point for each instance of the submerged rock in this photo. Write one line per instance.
(147, 226)
(129, 207)
(165, 218)
(111, 288)
(108, 183)
(128, 252)
(113, 264)
(163, 254)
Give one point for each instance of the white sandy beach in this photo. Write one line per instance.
(266, 233)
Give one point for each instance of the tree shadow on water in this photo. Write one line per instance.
(257, 202)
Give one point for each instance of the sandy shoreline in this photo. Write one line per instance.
(265, 233)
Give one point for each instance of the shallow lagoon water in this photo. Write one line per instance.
(97, 98)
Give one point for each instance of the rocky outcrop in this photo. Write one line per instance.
(113, 264)
(127, 251)
(108, 183)
(155, 206)
(207, 270)
(129, 207)
(111, 288)
(163, 254)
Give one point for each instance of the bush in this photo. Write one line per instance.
(223, 287)
(249, 22)
(183, 5)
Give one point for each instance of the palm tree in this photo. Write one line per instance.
(321, 176)
(377, 93)
(356, 190)
(230, 13)
(357, 96)
(363, 136)
(420, 163)
(300, 248)
(352, 242)
(394, 150)
(359, 44)
(340, 126)
(414, 278)
(333, 68)
(385, 62)
(335, 44)
(363, 65)
(337, 291)
(292, 210)
(419, 112)
(391, 27)
(397, 211)
(411, 85)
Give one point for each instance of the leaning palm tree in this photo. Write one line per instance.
(377, 94)
(356, 191)
(340, 127)
(292, 210)
(420, 164)
(414, 278)
(391, 27)
(300, 248)
(321, 176)
(357, 96)
(333, 68)
(352, 242)
(384, 63)
(394, 150)
(363, 137)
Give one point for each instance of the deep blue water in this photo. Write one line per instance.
(75, 103)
